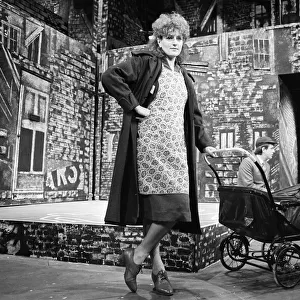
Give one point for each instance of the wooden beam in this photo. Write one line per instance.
(208, 14)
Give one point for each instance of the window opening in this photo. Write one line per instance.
(10, 37)
(261, 54)
(262, 15)
(227, 138)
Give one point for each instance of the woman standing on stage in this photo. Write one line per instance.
(154, 181)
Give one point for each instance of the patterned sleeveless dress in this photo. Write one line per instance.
(161, 153)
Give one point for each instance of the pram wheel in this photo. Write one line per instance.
(269, 252)
(286, 270)
(234, 250)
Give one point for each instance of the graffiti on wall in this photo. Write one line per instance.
(66, 178)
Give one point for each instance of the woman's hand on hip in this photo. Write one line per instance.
(142, 112)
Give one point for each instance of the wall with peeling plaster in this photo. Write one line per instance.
(46, 112)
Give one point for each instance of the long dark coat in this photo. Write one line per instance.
(135, 82)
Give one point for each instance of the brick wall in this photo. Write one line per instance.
(194, 13)
(75, 21)
(123, 27)
(60, 75)
(41, 12)
(238, 15)
(70, 134)
(103, 244)
(238, 98)
(100, 25)
(80, 26)
(132, 35)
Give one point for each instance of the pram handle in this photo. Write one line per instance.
(244, 153)
(234, 149)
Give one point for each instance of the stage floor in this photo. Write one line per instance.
(82, 212)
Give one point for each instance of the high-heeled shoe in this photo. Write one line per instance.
(132, 269)
(162, 284)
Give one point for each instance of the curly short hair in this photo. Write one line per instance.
(165, 24)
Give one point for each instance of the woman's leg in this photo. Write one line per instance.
(159, 276)
(151, 241)
(156, 260)
(134, 258)
(157, 263)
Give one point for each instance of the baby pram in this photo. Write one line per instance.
(252, 214)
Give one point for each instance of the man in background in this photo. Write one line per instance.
(248, 173)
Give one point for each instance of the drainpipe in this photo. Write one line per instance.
(98, 93)
(96, 121)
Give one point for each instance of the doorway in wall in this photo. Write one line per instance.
(289, 127)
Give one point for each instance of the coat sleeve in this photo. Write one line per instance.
(201, 137)
(118, 79)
